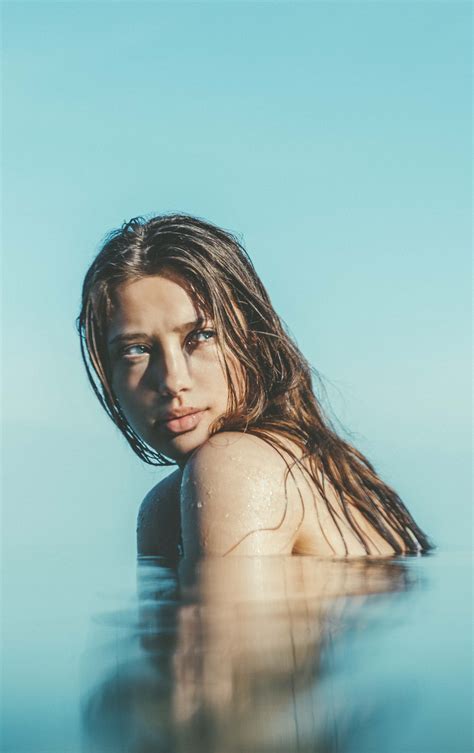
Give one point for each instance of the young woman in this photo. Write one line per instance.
(188, 357)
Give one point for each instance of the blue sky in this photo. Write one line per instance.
(334, 137)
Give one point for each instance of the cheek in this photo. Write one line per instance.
(126, 389)
(122, 386)
(237, 376)
(127, 378)
(209, 378)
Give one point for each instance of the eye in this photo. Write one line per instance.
(132, 351)
(200, 336)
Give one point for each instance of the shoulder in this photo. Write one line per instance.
(235, 498)
(162, 490)
(234, 446)
(233, 462)
(158, 519)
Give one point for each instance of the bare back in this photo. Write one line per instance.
(235, 495)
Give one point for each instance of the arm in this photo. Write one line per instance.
(234, 499)
(158, 523)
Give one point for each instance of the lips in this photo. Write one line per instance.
(180, 424)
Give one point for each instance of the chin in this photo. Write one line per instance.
(180, 447)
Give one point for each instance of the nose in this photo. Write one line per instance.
(170, 371)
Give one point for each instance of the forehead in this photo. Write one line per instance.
(151, 301)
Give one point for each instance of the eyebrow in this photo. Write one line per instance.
(128, 336)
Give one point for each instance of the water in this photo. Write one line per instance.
(277, 654)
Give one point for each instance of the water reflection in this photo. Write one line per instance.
(236, 655)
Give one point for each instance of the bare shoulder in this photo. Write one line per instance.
(234, 444)
(235, 498)
(235, 457)
(158, 519)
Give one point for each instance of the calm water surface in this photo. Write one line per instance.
(276, 654)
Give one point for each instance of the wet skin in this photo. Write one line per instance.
(231, 493)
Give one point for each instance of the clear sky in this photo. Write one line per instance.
(333, 136)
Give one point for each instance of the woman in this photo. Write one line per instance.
(188, 357)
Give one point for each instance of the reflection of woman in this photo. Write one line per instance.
(190, 360)
(242, 660)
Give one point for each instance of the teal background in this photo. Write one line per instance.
(334, 137)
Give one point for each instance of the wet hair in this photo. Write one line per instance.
(277, 402)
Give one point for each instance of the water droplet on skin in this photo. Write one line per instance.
(199, 504)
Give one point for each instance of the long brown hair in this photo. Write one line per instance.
(278, 402)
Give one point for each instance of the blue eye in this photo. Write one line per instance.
(201, 335)
(205, 334)
(134, 350)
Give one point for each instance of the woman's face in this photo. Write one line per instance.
(166, 372)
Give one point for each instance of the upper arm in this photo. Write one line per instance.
(158, 521)
(234, 499)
